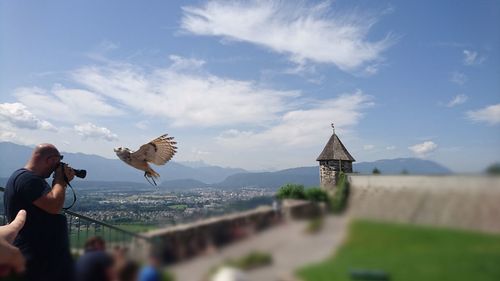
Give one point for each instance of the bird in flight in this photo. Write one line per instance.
(158, 151)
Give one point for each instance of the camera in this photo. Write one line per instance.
(79, 173)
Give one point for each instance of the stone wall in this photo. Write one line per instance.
(327, 177)
(181, 242)
(465, 202)
(328, 173)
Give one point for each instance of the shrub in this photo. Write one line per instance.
(376, 171)
(167, 276)
(316, 194)
(291, 191)
(252, 260)
(339, 201)
(297, 191)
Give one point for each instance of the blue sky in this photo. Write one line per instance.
(255, 84)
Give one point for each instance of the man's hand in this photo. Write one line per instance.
(59, 176)
(10, 256)
(69, 172)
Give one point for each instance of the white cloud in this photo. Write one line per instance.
(458, 78)
(65, 105)
(305, 33)
(182, 63)
(7, 136)
(390, 147)
(19, 116)
(303, 127)
(143, 125)
(368, 146)
(197, 153)
(423, 149)
(459, 99)
(186, 98)
(489, 114)
(371, 69)
(472, 58)
(107, 45)
(89, 130)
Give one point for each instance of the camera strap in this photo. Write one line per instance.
(74, 194)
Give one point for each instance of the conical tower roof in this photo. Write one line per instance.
(335, 150)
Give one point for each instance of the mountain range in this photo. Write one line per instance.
(199, 174)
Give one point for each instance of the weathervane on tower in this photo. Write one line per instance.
(333, 127)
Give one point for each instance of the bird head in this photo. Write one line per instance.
(120, 150)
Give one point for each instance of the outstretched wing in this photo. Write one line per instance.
(158, 151)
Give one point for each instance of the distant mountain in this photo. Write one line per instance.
(175, 175)
(308, 176)
(99, 168)
(398, 165)
(194, 164)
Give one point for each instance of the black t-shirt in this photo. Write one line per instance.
(44, 238)
(93, 266)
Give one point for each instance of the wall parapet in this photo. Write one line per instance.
(180, 242)
(461, 201)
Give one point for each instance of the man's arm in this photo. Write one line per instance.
(53, 201)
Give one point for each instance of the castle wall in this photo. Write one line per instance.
(465, 202)
(328, 173)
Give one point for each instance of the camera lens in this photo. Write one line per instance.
(80, 173)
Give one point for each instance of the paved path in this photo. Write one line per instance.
(289, 245)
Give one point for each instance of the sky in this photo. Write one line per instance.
(255, 84)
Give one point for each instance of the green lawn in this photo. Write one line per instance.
(78, 238)
(410, 253)
(179, 207)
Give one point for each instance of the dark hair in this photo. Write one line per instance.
(92, 242)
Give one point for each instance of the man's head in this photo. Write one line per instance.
(45, 159)
(95, 243)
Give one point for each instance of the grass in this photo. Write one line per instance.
(179, 207)
(412, 253)
(77, 239)
(252, 260)
(315, 225)
(137, 227)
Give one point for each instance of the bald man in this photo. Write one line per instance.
(44, 239)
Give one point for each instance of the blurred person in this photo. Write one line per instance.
(11, 259)
(95, 264)
(151, 271)
(44, 239)
(120, 253)
(127, 270)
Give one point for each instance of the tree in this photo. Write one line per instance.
(291, 191)
(376, 171)
(494, 169)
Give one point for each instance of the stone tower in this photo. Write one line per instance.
(333, 159)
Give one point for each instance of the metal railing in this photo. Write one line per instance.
(81, 227)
